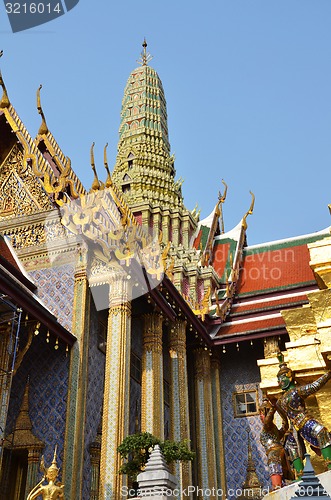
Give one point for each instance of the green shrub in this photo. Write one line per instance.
(136, 448)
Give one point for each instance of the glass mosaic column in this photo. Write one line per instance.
(77, 386)
(5, 382)
(218, 428)
(115, 420)
(152, 407)
(95, 455)
(34, 457)
(204, 423)
(180, 424)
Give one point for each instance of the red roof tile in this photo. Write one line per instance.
(276, 268)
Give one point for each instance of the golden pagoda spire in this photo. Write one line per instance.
(23, 421)
(252, 487)
(43, 129)
(145, 56)
(105, 161)
(4, 103)
(96, 183)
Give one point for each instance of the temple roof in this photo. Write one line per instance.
(273, 276)
(17, 288)
(34, 174)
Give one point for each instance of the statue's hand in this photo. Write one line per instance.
(272, 398)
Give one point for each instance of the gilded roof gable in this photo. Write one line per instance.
(20, 192)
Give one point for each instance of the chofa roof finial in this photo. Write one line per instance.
(4, 103)
(249, 211)
(105, 161)
(43, 129)
(95, 184)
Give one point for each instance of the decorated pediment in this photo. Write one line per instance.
(21, 193)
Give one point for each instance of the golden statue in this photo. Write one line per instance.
(51, 491)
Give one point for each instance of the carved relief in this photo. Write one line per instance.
(36, 234)
(20, 191)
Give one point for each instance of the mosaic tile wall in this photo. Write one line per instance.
(239, 371)
(96, 373)
(56, 290)
(47, 370)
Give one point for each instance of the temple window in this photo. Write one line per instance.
(245, 403)
(126, 188)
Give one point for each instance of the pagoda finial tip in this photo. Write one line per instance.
(145, 56)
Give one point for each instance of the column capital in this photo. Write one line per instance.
(177, 337)
(119, 293)
(202, 363)
(81, 261)
(152, 338)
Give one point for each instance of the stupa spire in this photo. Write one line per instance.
(144, 169)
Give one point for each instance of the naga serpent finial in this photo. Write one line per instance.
(43, 129)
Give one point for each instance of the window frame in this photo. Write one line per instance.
(235, 403)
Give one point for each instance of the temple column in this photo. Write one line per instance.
(206, 456)
(175, 230)
(115, 420)
(165, 228)
(178, 275)
(156, 224)
(192, 277)
(5, 382)
(218, 427)
(77, 386)
(180, 424)
(186, 227)
(95, 455)
(34, 455)
(152, 407)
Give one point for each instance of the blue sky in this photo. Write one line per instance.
(248, 89)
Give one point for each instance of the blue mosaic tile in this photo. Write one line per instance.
(47, 404)
(239, 371)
